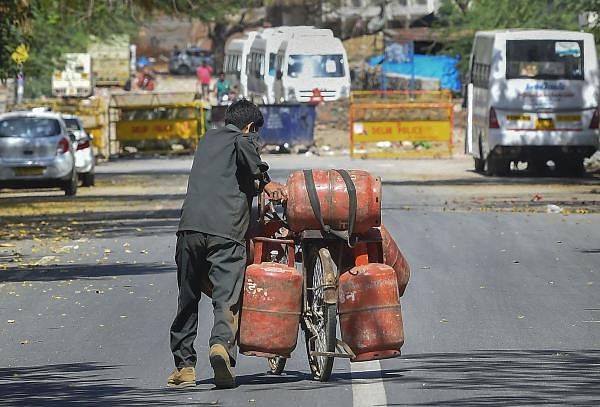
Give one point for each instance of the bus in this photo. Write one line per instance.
(261, 62)
(310, 59)
(532, 97)
(234, 65)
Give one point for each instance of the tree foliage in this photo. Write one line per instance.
(52, 27)
(460, 19)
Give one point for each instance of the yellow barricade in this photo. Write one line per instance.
(91, 111)
(138, 130)
(398, 124)
(156, 121)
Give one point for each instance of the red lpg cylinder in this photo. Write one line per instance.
(370, 314)
(392, 256)
(270, 310)
(334, 200)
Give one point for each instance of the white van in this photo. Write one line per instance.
(532, 97)
(261, 62)
(311, 59)
(234, 64)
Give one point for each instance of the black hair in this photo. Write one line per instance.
(242, 112)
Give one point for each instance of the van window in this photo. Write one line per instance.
(544, 59)
(316, 66)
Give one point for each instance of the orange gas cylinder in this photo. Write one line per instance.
(334, 201)
(392, 256)
(270, 312)
(370, 314)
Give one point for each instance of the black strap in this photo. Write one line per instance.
(352, 202)
(346, 235)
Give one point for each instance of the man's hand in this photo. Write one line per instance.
(276, 191)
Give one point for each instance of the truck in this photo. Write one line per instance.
(75, 79)
(112, 59)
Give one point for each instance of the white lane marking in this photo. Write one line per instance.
(367, 392)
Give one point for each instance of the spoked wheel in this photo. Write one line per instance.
(277, 364)
(320, 337)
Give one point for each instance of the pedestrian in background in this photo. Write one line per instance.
(222, 88)
(211, 251)
(204, 76)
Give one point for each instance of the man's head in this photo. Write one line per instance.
(245, 115)
(221, 75)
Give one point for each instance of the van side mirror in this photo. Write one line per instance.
(72, 137)
(279, 75)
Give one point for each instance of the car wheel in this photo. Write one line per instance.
(184, 70)
(88, 179)
(479, 164)
(496, 166)
(70, 187)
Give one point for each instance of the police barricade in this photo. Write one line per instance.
(153, 123)
(91, 111)
(394, 124)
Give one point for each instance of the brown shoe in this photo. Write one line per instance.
(182, 378)
(219, 360)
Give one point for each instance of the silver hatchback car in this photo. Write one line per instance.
(36, 150)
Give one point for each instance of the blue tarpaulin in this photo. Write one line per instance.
(426, 66)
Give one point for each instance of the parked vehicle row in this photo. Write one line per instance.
(185, 61)
(44, 150)
(286, 64)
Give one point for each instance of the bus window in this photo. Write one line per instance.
(272, 67)
(544, 59)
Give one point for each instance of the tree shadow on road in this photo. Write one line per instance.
(76, 384)
(61, 272)
(91, 225)
(483, 378)
(504, 377)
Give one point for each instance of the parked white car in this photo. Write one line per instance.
(84, 153)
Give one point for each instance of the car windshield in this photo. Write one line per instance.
(316, 66)
(72, 124)
(544, 59)
(30, 127)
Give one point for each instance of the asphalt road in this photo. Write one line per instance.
(503, 306)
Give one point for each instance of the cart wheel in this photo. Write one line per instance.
(277, 364)
(323, 318)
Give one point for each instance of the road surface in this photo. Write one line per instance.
(503, 306)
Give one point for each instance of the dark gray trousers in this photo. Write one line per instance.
(214, 266)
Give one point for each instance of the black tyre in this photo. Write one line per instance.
(70, 187)
(479, 164)
(322, 337)
(88, 179)
(496, 166)
(184, 70)
(277, 364)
